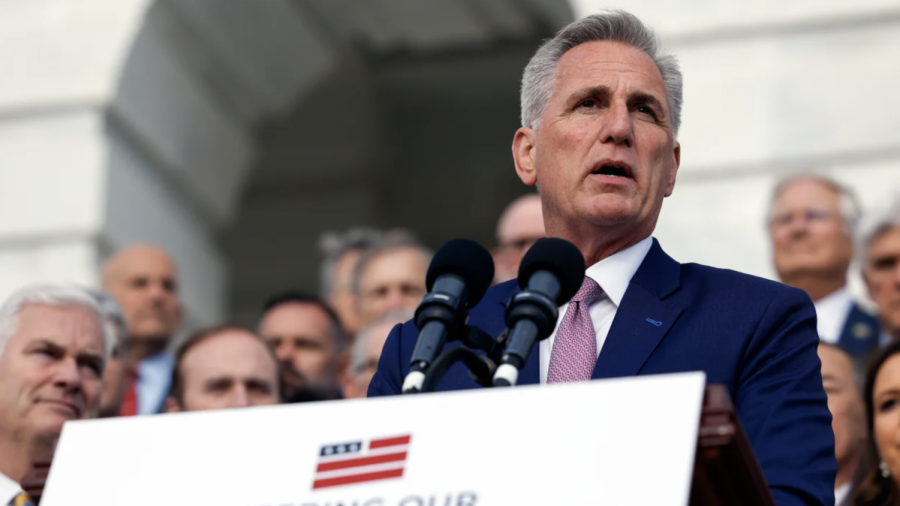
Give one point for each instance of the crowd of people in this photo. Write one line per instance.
(817, 230)
(69, 353)
(84, 352)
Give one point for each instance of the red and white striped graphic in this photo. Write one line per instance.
(356, 462)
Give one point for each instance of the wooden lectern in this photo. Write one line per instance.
(725, 469)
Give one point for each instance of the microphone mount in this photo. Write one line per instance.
(482, 367)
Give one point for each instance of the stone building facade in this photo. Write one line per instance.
(233, 132)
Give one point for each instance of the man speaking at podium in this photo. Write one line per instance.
(601, 107)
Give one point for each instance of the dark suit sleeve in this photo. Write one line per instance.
(783, 406)
(388, 378)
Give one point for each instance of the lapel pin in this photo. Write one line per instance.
(861, 331)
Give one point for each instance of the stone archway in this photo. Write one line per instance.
(166, 120)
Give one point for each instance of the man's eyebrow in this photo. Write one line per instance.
(97, 359)
(260, 383)
(640, 96)
(885, 257)
(590, 91)
(219, 380)
(46, 343)
(307, 340)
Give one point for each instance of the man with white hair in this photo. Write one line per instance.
(811, 222)
(390, 275)
(54, 345)
(340, 252)
(881, 269)
(367, 350)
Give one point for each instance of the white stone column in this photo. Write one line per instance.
(73, 184)
(126, 121)
(772, 88)
(59, 63)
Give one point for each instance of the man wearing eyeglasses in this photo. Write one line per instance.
(881, 268)
(811, 222)
(520, 225)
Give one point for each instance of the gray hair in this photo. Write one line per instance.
(54, 296)
(358, 351)
(113, 312)
(539, 79)
(886, 218)
(391, 240)
(847, 201)
(334, 245)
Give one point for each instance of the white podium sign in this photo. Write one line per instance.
(614, 442)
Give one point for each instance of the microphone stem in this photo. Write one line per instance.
(480, 366)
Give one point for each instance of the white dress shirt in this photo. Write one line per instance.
(840, 493)
(8, 490)
(832, 312)
(613, 274)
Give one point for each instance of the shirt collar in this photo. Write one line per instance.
(832, 311)
(837, 299)
(614, 272)
(8, 489)
(840, 493)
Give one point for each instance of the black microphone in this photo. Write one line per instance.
(550, 274)
(459, 274)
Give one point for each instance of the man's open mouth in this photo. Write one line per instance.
(613, 169)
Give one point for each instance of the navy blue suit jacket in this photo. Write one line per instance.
(756, 336)
(860, 333)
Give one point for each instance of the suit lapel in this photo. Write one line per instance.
(641, 323)
(643, 318)
(860, 333)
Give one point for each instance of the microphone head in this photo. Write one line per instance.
(468, 260)
(561, 258)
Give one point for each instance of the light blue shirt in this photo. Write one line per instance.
(154, 377)
(8, 490)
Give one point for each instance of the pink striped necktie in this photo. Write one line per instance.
(574, 352)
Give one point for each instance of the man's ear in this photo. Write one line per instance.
(524, 151)
(676, 154)
(172, 405)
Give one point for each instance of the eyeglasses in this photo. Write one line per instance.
(518, 244)
(808, 215)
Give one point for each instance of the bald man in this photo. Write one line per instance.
(520, 225)
(223, 367)
(144, 281)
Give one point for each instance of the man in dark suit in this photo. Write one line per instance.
(54, 345)
(143, 279)
(600, 114)
(811, 222)
(881, 268)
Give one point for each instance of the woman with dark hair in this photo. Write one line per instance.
(881, 471)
